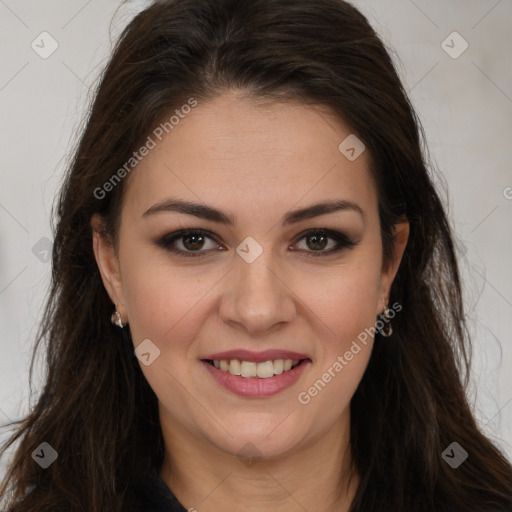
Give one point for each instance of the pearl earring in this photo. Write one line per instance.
(117, 320)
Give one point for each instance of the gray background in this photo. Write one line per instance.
(464, 103)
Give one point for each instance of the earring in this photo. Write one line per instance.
(387, 330)
(117, 320)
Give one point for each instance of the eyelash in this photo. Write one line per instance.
(342, 241)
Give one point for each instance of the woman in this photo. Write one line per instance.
(255, 301)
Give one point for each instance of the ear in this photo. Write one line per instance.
(401, 235)
(108, 264)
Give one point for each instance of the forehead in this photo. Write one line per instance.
(231, 150)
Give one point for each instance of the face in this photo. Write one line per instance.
(259, 269)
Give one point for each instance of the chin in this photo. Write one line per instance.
(259, 444)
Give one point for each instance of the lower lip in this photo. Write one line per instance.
(256, 387)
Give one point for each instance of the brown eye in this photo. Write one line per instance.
(193, 242)
(317, 242)
(322, 242)
(189, 243)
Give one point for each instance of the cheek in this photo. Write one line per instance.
(161, 300)
(166, 301)
(343, 305)
(174, 306)
(166, 306)
(342, 299)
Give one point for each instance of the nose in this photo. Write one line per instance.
(258, 296)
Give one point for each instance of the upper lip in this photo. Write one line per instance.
(257, 357)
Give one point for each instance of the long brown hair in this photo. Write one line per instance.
(97, 410)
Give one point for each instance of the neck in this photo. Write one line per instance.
(315, 476)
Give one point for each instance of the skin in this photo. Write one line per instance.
(255, 162)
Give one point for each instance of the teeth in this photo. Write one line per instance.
(250, 369)
(278, 366)
(235, 367)
(265, 370)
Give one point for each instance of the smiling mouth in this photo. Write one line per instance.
(250, 369)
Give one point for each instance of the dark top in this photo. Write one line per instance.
(153, 495)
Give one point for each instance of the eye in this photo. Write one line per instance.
(194, 243)
(316, 241)
(188, 243)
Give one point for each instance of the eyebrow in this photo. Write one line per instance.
(213, 214)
